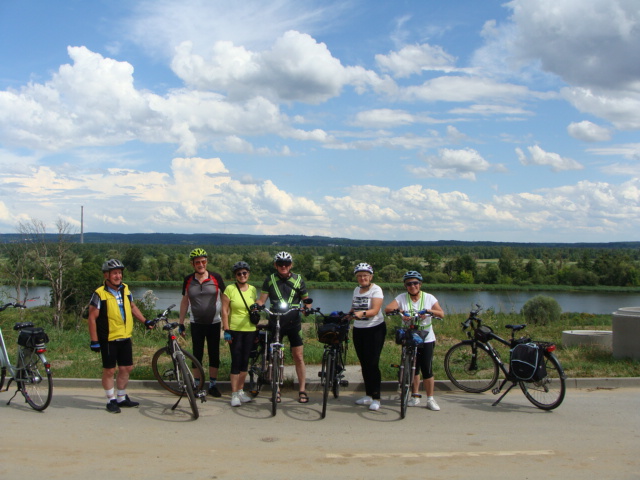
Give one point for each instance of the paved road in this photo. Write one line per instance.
(595, 433)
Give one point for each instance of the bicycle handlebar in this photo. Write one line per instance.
(12, 304)
(163, 316)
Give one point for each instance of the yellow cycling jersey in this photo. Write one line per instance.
(110, 324)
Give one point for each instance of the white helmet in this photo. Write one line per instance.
(284, 257)
(363, 267)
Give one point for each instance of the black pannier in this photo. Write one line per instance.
(527, 362)
(32, 337)
(333, 329)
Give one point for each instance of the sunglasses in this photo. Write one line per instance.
(243, 274)
(411, 284)
(283, 264)
(199, 262)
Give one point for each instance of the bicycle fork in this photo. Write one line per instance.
(273, 348)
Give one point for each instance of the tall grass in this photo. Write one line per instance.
(71, 357)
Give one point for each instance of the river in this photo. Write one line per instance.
(451, 301)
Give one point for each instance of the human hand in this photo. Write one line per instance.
(95, 346)
(149, 324)
(182, 330)
(227, 336)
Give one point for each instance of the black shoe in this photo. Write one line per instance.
(127, 402)
(214, 392)
(112, 407)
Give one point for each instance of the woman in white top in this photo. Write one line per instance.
(369, 332)
(414, 301)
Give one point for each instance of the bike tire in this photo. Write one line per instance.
(3, 374)
(275, 380)
(35, 382)
(549, 392)
(165, 371)
(472, 372)
(328, 379)
(256, 372)
(406, 380)
(188, 381)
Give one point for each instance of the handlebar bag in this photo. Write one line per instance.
(32, 337)
(527, 362)
(332, 333)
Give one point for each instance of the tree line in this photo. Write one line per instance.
(73, 270)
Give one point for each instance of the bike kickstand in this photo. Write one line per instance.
(503, 395)
(176, 404)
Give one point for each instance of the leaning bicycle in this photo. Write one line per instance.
(272, 357)
(474, 365)
(169, 365)
(32, 372)
(410, 336)
(333, 331)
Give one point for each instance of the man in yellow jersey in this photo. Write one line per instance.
(111, 314)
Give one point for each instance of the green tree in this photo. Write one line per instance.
(541, 309)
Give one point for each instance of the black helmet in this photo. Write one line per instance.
(112, 264)
(240, 265)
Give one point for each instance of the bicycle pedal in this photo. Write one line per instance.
(320, 374)
(495, 391)
(344, 383)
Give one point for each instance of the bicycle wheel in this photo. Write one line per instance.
(408, 354)
(547, 393)
(471, 367)
(256, 372)
(275, 380)
(3, 374)
(188, 381)
(34, 379)
(328, 361)
(166, 371)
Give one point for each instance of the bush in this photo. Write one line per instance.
(541, 309)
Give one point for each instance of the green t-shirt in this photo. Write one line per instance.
(238, 313)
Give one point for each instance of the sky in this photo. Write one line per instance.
(506, 121)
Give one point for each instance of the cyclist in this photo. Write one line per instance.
(288, 289)
(413, 301)
(111, 313)
(239, 331)
(369, 332)
(202, 291)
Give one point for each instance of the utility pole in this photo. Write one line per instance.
(81, 223)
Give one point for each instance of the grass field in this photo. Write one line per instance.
(70, 356)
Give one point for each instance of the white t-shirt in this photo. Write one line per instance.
(426, 301)
(362, 301)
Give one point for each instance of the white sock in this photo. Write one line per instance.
(122, 395)
(111, 394)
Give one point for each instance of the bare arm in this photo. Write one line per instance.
(93, 316)
(224, 312)
(376, 304)
(391, 307)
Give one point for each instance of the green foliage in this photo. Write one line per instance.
(541, 309)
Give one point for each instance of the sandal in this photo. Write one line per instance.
(303, 397)
(278, 399)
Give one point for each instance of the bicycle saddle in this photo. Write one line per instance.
(21, 325)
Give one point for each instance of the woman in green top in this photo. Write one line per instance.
(239, 332)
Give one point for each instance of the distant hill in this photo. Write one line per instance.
(294, 240)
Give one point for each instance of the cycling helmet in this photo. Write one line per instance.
(197, 252)
(112, 264)
(412, 274)
(284, 257)
(363, 267)
(240, 265)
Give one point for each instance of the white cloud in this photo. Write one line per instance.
(537, 156)
(449, 163)
(621, 108)
(588, 131)
(414, 59)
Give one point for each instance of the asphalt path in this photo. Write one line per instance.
(595, 433)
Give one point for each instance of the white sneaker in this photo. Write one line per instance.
(235, 400)
(375, 405)
(366, 400)
(244, 398)
(432, 405)
(414, 402)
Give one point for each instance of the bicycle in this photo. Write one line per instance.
(169, 365)
(333, 331)
(268, 364)
(473, 365)
(32, 373)
(409, 337)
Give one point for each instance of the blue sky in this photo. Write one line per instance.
(409, 120)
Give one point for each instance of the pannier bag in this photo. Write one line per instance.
(483, 333)
(527, 362)
(32, 337)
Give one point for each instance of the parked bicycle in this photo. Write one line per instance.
(266, 364)
(169, 365)
(32, 372)
(333, 331)
(473, 365)
(410, 337)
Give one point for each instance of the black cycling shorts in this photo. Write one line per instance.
(118, 352)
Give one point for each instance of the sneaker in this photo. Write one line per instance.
(244, 398)
(112, 406)
(366, 400)
(214, 392)
(375, 405)
(127, 402)
(413, 402)
(235, 400)
(432, 405)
